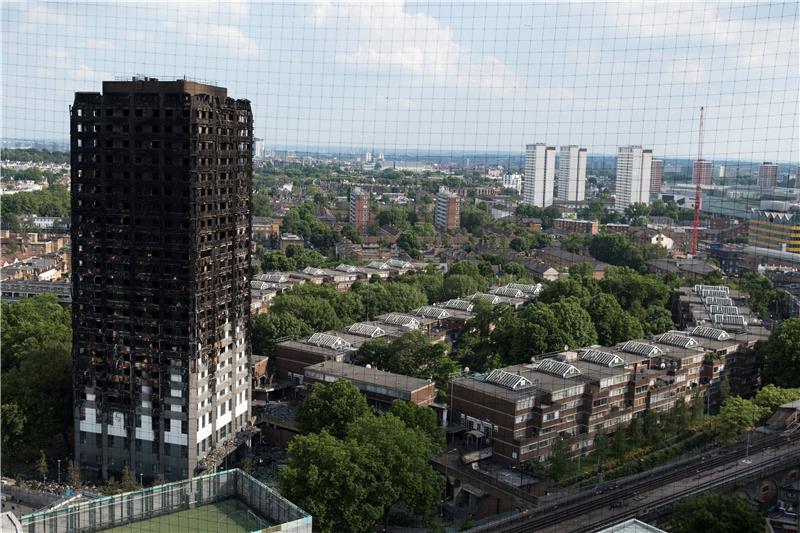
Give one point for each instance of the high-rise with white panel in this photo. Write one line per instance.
(540, 166)
(572, 174)
(161, 194)
(634, 165)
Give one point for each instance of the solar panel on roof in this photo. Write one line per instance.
(508, 291)
(556, 368)
(429, 311)
(710, 333)
(721, 288)
(723, 309)
(640, 348)
(601, 358)
(273, 277)
(313, 271)
(526, 288)
(673, 339)
(730, 320)
(398, 263)
(491, 298)
(714, 293)
(366, 330)
(328, 341)
(399, 319)
(508, 380)
(457, 303)
(711, 300)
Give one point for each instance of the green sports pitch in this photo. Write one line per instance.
(226, 516)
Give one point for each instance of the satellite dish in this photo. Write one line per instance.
(663, 365)
(369, 365)
(533, 359)
(466, 369)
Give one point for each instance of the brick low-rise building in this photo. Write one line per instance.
(380, 388)
(577, 395)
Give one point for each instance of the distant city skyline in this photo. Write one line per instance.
(410, 77)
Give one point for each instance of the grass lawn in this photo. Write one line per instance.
(227, 516)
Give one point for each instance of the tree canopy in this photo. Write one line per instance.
(331, 407)
(714, 512)
(37, 367)
(781, 355)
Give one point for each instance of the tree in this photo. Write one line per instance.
(276, 261)
(574, 242)
(559, 289)
(32, 322)
(772, 397)
(714, 512)
(409, 243)
(411, 354)
(652, 428)
(421, 418)
(635, 433)
(13, 421)
(698, 409)
(474, 219)
(616, 249)
(44, 373)
(466, 268)
(402, 458)
(73, 475)
(331, 407)
(611, 322)
(581, 270)
(266, 329)
(657, 320)
(458, 285)
(781, 355)
(316, 312)
(320, 469)
(559, 460)
(126, 481)
(404, 297)
(41, 465)
(724, 388)
(574, 323)
(737, 416)
(351, 233)
(762, 292)
(247, 465)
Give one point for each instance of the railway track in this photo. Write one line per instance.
(588, 501)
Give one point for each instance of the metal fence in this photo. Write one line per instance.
(160, 500)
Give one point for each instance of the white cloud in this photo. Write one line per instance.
(418, 45)
(212, 34)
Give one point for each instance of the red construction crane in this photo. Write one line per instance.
(697, 194)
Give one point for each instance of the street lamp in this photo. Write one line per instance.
(446, 478)
(59, 470)
(141, 479)
(746, 459)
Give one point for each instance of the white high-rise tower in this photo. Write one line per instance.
(540, 166)
(633, 176)
(572, 174)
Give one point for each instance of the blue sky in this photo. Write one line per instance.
(434, 76)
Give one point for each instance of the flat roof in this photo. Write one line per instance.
(543, 383)
(371, 376)
(153, 85)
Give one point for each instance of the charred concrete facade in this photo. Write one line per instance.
(161, 197)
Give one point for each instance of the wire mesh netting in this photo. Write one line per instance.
(468, 129)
